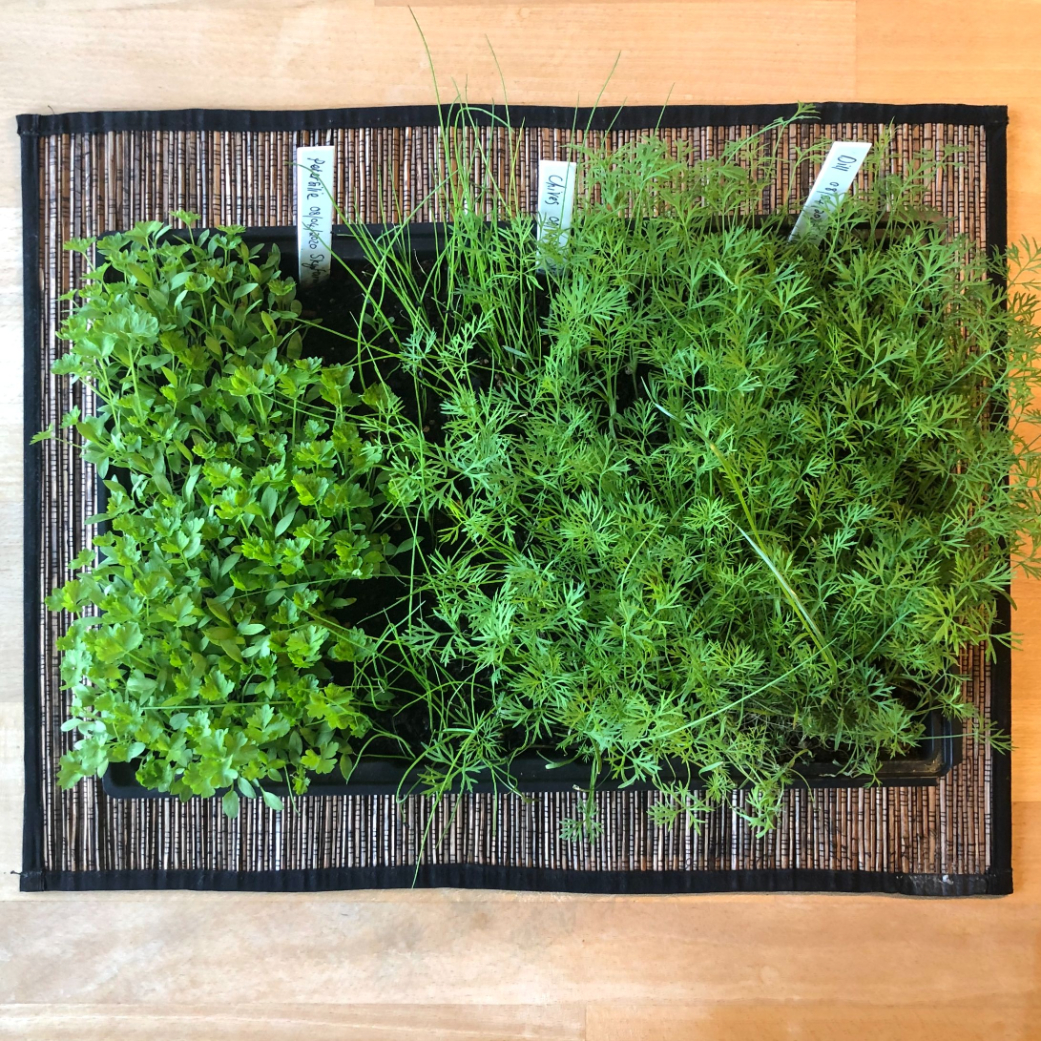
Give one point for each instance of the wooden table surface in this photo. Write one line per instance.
(438, 965)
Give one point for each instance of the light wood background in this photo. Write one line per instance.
(441, 965)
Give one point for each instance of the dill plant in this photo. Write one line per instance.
(700, 504)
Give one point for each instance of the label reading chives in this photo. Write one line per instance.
(556, 200)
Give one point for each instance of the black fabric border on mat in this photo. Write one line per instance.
(34, 878)
(633, 117)
(996, 144)
(32, 827)
(536, 880)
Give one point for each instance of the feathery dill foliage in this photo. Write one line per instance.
(706, 502)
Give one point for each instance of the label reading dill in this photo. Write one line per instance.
(314, 212)
(840, 168)
(556, 200)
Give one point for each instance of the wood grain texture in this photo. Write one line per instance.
(10, 363)
(484, 965)
(10, 507)
(795, 1020)
(11, 741)
(318, 1022)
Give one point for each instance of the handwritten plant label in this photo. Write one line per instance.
(556, 200)
(841, 166)
(314, 220)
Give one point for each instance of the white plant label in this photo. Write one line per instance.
(314, 212)
(556, 200)
(841, 166)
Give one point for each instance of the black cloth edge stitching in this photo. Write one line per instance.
(625, 118)
(477, 876)
(996, 154)
(997, 881)
(32, 814)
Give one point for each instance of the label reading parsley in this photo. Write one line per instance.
(314, 209)
(556, 200)
(841, 166)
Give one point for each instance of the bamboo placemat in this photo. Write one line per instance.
(87, 173)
